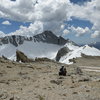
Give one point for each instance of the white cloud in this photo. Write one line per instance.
(6, 23)
(33, 29)
(51, 13)
(66, 32)
(96, 34)
(27, 10)
(62, 26)
(79, 31)
(90, 11)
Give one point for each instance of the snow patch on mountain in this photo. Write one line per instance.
(77, 51)
(71, 46)
(31, 49)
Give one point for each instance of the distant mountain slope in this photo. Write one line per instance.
(96, 45)
(77, 51)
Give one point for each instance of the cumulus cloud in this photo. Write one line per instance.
(79, 31)
(51, 13)
(6, 23)
(29, 10)
(89, 11)
(96, 34)
(33, 29)
(65, 32)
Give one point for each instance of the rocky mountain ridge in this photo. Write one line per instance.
(46, 37)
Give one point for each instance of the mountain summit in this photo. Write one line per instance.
(46, 37)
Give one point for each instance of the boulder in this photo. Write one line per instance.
(72, 60)
(20, 56)
(43, 59)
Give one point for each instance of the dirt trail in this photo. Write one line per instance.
(90, 68)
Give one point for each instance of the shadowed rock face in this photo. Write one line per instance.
(63, 51)
(15, 40)
(49, 37)
(20, 56)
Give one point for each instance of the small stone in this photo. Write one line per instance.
(87, 90)
(75, 92)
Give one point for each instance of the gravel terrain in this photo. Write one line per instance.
(40, 80)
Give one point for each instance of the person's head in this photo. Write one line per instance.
(62, 66)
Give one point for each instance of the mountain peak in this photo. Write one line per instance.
(46, 37)
(50, 37)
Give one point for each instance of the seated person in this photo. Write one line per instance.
(62, 71)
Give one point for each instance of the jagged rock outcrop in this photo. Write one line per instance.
(15, 40)
(63, 51)
(20, 56)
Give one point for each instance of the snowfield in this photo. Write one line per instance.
(77, 51)
(31, 49)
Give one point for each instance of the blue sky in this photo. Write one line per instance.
(80, 23)
(13, 27)
(77, 24)
(79, 1)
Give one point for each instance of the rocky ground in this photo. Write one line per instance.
(40, 80)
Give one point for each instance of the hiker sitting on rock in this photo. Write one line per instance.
(62, 71)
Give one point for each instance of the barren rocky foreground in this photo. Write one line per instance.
(40, 80)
